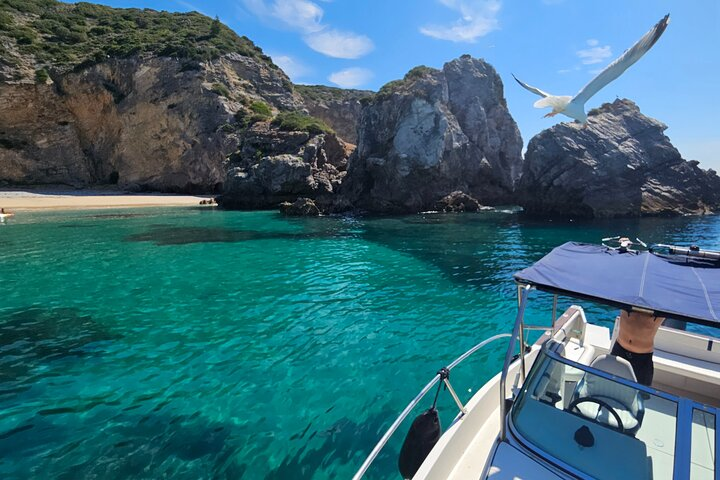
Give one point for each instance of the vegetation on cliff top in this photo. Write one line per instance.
(64, 35)
(294, 121)
(409, 78)
(323, 93)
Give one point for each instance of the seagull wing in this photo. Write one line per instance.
(534, 90)
(616, 68)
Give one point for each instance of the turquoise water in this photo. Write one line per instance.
(193, 343)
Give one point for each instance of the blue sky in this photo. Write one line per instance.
(556, 45)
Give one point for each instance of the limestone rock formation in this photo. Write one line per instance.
(152, 123)
(142, 99)
(432, 133)
(620, 164)
(272, 166)
(338, 107)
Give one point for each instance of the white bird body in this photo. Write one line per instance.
(574, 107)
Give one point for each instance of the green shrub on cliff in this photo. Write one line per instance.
(220, 89)
(294, 121)
(215, 27)
(6, 20)
(68, 35)
(261, 109)
(257, 111)
(409, 78)
(41, 76)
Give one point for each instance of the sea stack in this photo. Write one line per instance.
(433, 133)
(618, 164)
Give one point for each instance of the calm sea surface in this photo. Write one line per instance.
(190, 343)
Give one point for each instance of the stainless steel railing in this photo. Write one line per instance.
(375, 451)
(517, 332)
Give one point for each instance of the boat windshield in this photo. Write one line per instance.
(606, 427)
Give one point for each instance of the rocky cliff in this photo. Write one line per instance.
(275, 165)
(144, 123)
(94, 95)
(149, 100)
(619, 164)
(340, 108)
(433, 133)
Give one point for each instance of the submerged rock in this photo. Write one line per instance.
(433, 133)
(619, 164)
(458, 202)
(302, 207)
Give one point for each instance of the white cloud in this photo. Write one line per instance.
(351, 77)
(300, 14)
(290, 66)
(256, 7)
(477, 19)
(563, 71)
(335, 43)
(305, 16)
(594, 54)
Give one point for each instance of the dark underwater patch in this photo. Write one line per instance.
(132, 446)
(29, 337)
(186, 235)
(149, 447)
(338, 444)
(118, 215)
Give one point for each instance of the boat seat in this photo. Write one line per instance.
(579, 353)
(625, 401)
(549, 386)
(582, 354)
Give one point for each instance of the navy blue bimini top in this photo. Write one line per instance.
(681, 287)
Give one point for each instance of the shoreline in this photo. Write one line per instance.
(29, 199)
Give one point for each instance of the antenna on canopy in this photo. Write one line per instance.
(691, 251)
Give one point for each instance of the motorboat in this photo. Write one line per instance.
(563, 406)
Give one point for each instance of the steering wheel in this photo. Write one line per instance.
(573, 406)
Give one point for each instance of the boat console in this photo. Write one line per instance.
(577, 426)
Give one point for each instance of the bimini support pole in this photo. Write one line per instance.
(509, 355)
(522, 337)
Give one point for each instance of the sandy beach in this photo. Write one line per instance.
(59, 199)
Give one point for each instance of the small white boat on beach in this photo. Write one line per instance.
(565, 407)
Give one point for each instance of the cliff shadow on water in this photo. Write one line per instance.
(482, 250)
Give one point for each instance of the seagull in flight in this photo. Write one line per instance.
(574, 107)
